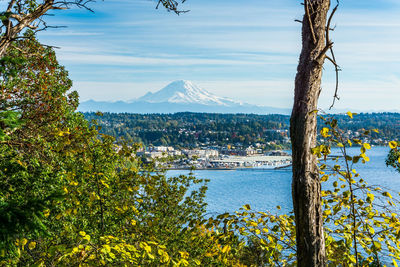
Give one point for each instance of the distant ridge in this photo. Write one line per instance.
(179, 96)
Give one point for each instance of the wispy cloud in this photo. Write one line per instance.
(145, 61)
(65, 33)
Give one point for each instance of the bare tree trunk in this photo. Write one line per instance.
(306, 187)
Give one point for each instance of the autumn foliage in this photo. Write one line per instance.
(70, 196)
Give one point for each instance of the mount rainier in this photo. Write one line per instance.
(185, 92)
(179, 96)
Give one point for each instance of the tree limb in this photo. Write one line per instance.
(333, 59)
(307, 11)
(24, 16)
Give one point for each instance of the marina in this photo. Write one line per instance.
(257, 161)
(264, 189)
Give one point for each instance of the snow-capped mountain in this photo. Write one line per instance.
(179, 96)
(185, 92)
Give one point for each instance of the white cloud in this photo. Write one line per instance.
(175, 60)
(61, 32)
(114, 91)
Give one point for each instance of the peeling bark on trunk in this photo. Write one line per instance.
(306, 187)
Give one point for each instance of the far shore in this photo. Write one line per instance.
(230, 169)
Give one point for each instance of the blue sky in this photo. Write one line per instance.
(244, 49)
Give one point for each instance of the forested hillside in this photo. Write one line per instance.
(194, 129)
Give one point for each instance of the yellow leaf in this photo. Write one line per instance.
(350, 143)
(247, 207)
(24, 241)
(104, 183)
(226, 248)
(107, 248)
(370, 197)
(32, 245)
(349, 114)
(253, 223)
(324, 132)
(377, 245)
(364, 157)
(327, 212)
(46, 213)
(387, 194)
(366, 146)
(392, 144)
(184, 254)
(394, 262)
(183, 262)
(324, 178)
(82, 233)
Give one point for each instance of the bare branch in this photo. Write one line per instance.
(171, 5)
(323, 52)
(10, 6)
(59, 8)
(20, 13)
(328, 25)
(333, 59)
(307, 11)
(16, 17)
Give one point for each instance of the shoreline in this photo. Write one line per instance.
(230, 169)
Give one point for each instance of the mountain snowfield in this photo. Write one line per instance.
(179, 96)
(185, 92)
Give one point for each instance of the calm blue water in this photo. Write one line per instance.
(266, 189)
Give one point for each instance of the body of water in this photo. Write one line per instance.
(265, 189)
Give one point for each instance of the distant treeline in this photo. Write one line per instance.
(188, 129)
